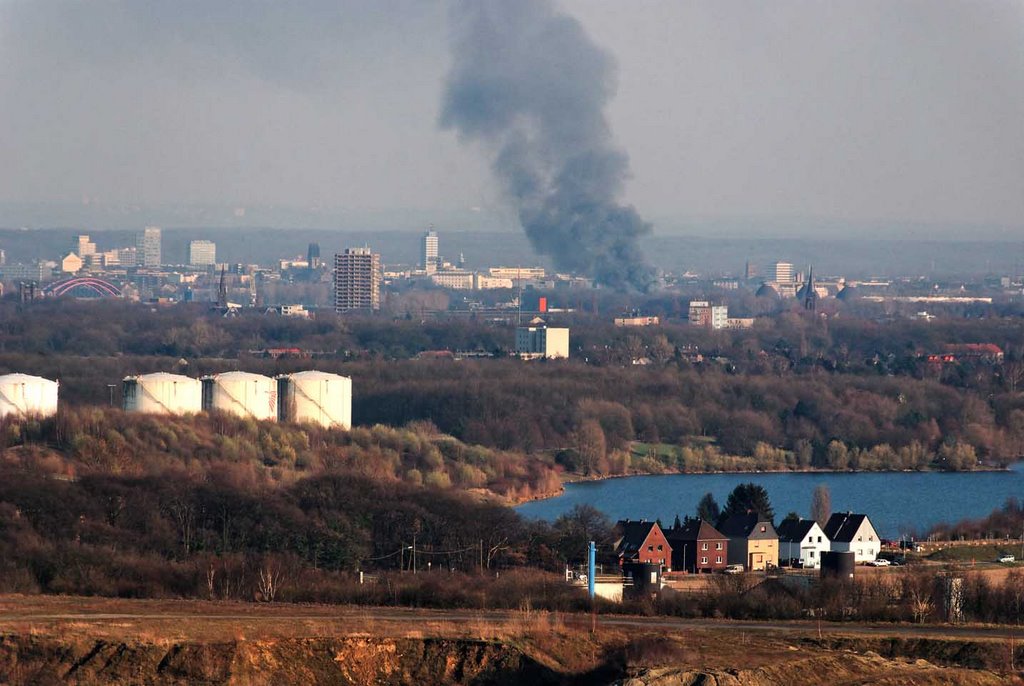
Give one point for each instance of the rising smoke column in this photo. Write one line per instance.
(529, 83)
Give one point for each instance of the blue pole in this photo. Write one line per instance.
(591, 554)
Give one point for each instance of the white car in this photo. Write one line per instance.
(880, 562)
(1007, 558)
(733, 569)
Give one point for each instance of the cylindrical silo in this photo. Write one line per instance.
(315, 397)
(24, 395)
(242, 394)
(163, 393)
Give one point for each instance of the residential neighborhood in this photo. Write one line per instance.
(745, 543)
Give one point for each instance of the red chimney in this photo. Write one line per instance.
(543, 304)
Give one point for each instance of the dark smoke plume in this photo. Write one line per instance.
(529, 82)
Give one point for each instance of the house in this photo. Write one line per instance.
(804, 540)
(851, 532)
(642, 541)
(753, 541)
(698, 547)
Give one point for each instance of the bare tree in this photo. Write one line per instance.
(821, 504)
(270, 578)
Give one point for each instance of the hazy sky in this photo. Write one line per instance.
(861, 110)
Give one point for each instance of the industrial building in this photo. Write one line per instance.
(315, 397)
(202, 253)
(162, 393)
(22, 395)
(357, 280)
(538, 340)
(241, 394)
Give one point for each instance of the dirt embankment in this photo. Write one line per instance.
(37, 660)
(32, 659)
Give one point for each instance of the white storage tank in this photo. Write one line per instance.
(163, 393)
(24, 395)
(242, 394)
(315, 397)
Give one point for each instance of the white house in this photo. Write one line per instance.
(851, 532)
(804, 540)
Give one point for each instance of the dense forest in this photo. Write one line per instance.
(794, 392)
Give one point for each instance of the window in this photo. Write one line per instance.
(718, 546)
(650, 548)
(763, 529)
(660, 547)
(703, 546)
(812, 553)
(718, 560)
(860, 538)
(819, 539)
(703, 560)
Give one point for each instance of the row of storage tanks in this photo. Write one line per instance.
(311, 396)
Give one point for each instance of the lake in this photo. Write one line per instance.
(897, 502)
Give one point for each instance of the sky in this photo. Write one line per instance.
(848, 112)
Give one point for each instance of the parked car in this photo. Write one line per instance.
(734, 569)
(880, 562)
(1007, 558)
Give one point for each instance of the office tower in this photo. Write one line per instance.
(313, 256)
(751, 271)
(83, 247)
(357, 280)
(147, 245)
(430, 251)
(127, 257)
(783, 272)
(202, 253)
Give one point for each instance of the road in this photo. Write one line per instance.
(352, 617)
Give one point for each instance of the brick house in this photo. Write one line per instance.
(698, 547)
(642, 541)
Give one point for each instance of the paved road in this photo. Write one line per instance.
(582, 621)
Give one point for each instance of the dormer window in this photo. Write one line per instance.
(764, 529)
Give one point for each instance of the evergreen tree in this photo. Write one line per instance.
(749, 497)
(708, 509)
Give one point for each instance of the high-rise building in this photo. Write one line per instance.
(202, 253)
(147, 245)
(357, 280)
(783, 272)
(313, 256)
(750, 271)
(430, 251)
(83, 247)
(127, 257)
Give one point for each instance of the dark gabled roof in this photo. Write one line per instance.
(794, 530)
(632, 535)
(843, 526)
(746, 526)
(695, 530)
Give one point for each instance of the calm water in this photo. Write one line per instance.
(898, 503)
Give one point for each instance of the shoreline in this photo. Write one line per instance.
(580, 478)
